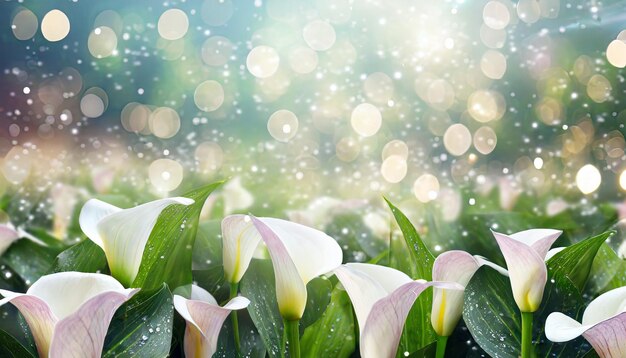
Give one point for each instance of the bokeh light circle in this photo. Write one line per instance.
(394, 168)
(457, 139)
(24, 25)
(366, 119)
(165, 174)
(263, 61)
(55, 25)
(209, 96)
(282, 125)
(102, 42)
(164, 122)
(426, 188)
(319, 35)
(588, 179)
(173, 24)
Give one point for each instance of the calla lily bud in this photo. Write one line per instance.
(603, 325)
(525, 253)
(382, 298)
(299, 254)
(123, 233)
(204, 319)
(459, 267)
(69, 312)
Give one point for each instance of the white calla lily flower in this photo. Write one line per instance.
(240, 240)
(525, 253)
(69, 312)
(382, 298)
(204, 319)
(453, 266)
(603, 325)
(299, 254)
(123, 233)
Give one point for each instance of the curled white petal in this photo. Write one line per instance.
(240, 240)
(382, 298)
(123, 233)
(299, 254)
(204, 319)
(68, 313)
(604, 324)
(524, 253)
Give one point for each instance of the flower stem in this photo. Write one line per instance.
(293, 332)
(441, 346)
(527, 334)
(234, 288)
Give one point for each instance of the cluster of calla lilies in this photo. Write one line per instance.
(68, 313)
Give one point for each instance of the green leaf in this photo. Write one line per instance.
(142, 327)
(29, 259)
(168, 253)
(258, 286)
(12, 348)
(251, 344)
(85, 256)
(213, 281)
(607, 272)
(318, 297)
(333, 334)
(422, 259)
(418, 331)
(575, 261)
(493, 318)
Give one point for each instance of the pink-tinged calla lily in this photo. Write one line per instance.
(8, 235)
(525, 253)
(453, 266)
(240, 240)
(603, 325)
(382, 298)
(299, 254)
(204, 320)
(69, 312)
(123, 233)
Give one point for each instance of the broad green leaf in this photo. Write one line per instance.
(46, 238)
(85, 256)
(168, 253)
(418, 331)
(333, 334)
(258, 286)
(251, 343)
(12, 348)
(29, 259)
(575, 261)
(493, 318)
(607, 272)
(318, 297)
(213, 281)
(422, 259)
(142, 327)
(207, 250)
